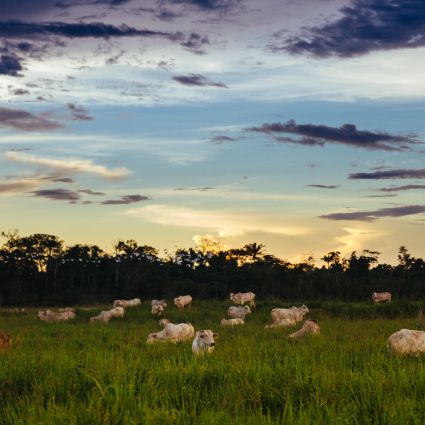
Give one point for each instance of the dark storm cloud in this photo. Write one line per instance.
(197, 80)
(402, 188)
(78, 113)
(365, 25)
(390, 174)
(10, 65)
(347, 134)
(128, 199)
(376, 214)
(57, 194)
(69, 4)
(19, 119)
(323, 186)
(195, 43)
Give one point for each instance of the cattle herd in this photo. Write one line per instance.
(402, 342)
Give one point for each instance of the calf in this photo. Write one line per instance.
(173, 333)
(406, 341)
(310, 327)
(243, 297)
(238, 312)
(232, 322)
(203, 342)
(182, 301)
(106, 315)
(378, 297)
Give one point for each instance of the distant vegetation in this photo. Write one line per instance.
(40, 270)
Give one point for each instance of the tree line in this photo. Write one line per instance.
(40, 270)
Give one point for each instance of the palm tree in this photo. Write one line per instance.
(253, 250)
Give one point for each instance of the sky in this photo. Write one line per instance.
(293, 123)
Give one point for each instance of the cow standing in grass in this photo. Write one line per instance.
(182, 301)
(204, 342)
(243, 297)
(378, 297)
(285, 317)
(158, 307)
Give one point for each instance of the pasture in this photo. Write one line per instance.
(76, 373)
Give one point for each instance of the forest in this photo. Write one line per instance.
(40, 270)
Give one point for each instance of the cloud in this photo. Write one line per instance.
(127, 199)
(208, 5)
(43, 30)
(10, 65)
(365, 26)
(323, 186)
(224, 223)
(390, 174)
(63, 180)
(70, 165)
(402, 188)
(78, 112)
(374, 215)
(195, 189)
(14, 187)
(347, 134)
(57, 194)
(90, 192)
(197, 80)
(19, 119)
(20, 92)
(218, 140)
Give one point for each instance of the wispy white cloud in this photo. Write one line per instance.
(225, 224)
(69, 165)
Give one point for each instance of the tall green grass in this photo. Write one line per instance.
(75, 373)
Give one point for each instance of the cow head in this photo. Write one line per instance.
(207, 338)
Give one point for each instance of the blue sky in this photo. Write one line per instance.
(238, 121)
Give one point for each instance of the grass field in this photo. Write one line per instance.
(73, 373)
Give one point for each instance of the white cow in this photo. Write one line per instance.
(204, 342)
(127, 303)
(158, 307)
(232, 322)
(107, 315)
(378, 297)
(173, 333)
(238, 312)
(243, 297)
(406, 342)
(163, 322)
(284, 317)
(310, 327)
(182, 301)
(52, 316)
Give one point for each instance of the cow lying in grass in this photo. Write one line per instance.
(204, 342)
(238, 312)
(106, 315)
(310, 327)
(127, 303)
(407, 342)
(52, 316)
(232, 322)
(378, 297)
(285, 317)
(173, 333)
